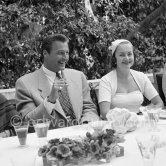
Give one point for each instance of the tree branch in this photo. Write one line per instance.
(144, 25)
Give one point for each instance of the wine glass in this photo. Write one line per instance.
(147, 144)
(153, 116)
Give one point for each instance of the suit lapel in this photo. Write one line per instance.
(44, 86)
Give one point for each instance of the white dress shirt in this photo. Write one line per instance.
(51, 76)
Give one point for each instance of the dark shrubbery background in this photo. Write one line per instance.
(24, 23)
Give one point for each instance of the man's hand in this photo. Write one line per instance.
(57, 86)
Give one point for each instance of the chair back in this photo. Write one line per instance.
(94, 94)
(158, 84)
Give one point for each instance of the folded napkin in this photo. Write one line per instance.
(122, 120)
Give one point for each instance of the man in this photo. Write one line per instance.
(42, 94)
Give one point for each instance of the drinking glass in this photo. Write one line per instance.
(62, 78)
(98, 125)
(153, 116)
(21, 130)
(41, 128)
(147, 144)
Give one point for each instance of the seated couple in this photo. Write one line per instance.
(63, 94)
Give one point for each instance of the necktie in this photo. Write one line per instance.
(66, 104)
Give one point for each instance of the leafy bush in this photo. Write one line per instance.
(24, 23)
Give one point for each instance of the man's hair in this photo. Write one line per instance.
(47, 42)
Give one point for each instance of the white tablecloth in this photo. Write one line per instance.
(9, 147)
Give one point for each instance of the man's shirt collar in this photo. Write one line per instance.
(48, 72)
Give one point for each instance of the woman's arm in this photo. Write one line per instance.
(107, 87)
(157, 101)
(104, 108)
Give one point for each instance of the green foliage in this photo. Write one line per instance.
(150, 49)
(24, 23)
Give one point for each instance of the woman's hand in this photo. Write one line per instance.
(157, 101)
(104, 108)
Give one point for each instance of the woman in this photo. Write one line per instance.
(164, 81)
(124, 87)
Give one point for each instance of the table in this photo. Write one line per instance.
(132, 156)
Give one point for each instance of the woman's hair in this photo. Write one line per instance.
(113, 62)
(113, 48)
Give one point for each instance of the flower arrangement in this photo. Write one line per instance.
(94, 147)
(122, 120)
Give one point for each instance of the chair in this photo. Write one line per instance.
(7, 111)
(94, 94)
(158, 85)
